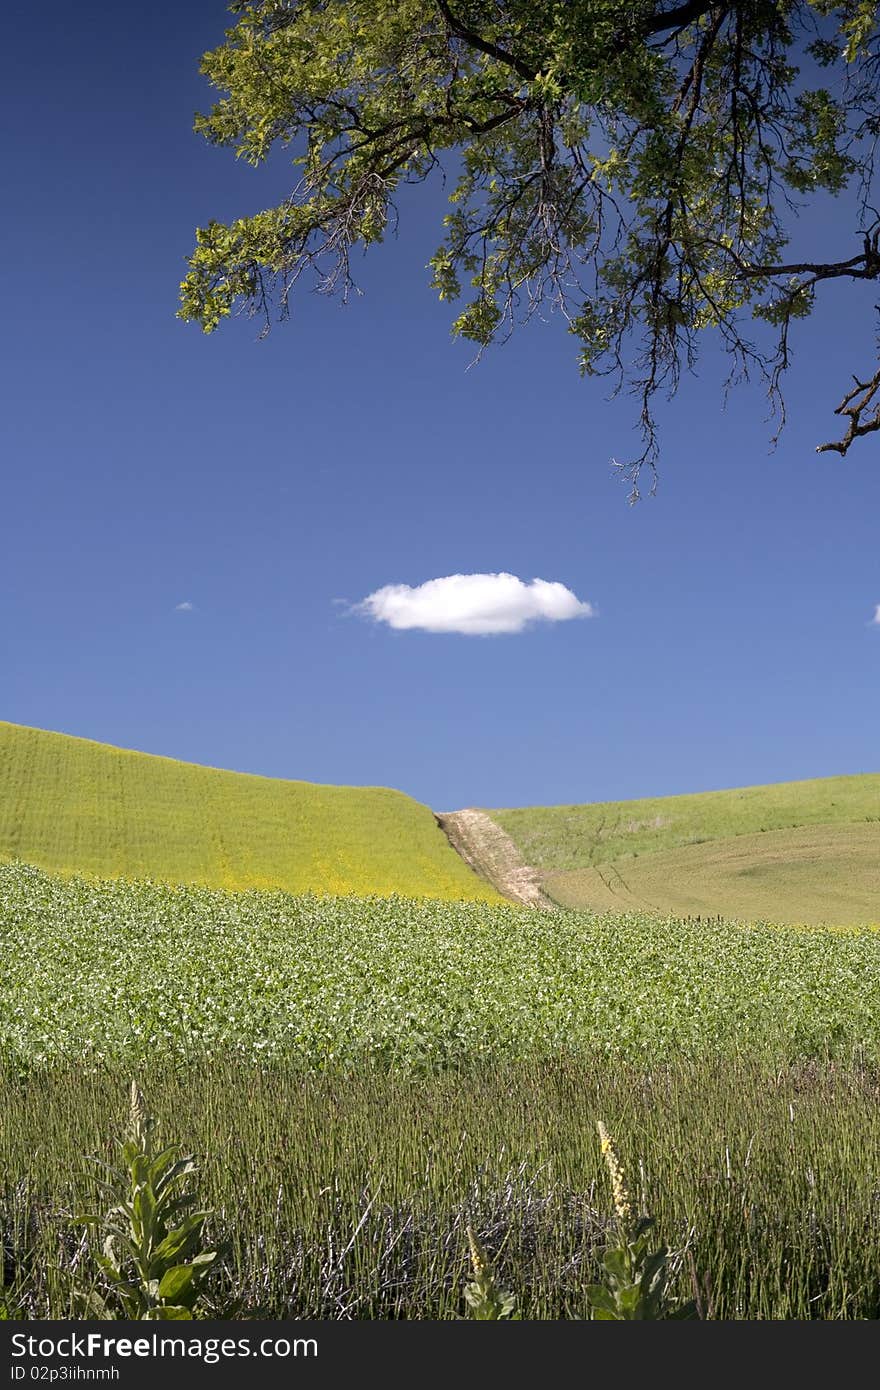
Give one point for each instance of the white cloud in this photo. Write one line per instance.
(473, 604)
(185, 607)
(875, 621)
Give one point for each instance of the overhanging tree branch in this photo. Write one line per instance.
(633, 167)
(681, 16)
(492, 50)
(862, 398)
(865, 266)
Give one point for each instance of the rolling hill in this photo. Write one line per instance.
(73, 806)
(796, 852)
(801, 852)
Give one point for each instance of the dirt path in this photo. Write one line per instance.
(485, 846)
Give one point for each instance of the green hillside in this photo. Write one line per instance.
(71, 805)
(791, 852)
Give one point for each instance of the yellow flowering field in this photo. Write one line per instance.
(73, 806)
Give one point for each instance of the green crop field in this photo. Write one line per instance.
(73, 806)
(365, 1076)
(821, 874)
(796, 852)
(118, 971)
(362, 1077)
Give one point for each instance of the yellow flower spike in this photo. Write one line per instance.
(478, 1257)
(619, 1189)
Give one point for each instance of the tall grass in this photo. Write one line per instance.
(349, 1194)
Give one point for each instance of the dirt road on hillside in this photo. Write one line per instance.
(485, 846)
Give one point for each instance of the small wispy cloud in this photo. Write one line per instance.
(473, 604)
(875, 621)
(185, 607)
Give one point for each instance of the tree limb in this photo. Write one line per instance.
(677, 18)
(854, 404)
(681, 16)
(864, 267)
(461, 31)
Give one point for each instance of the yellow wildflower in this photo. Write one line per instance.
(478, 1256)
(619, 1189)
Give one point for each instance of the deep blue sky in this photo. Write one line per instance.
(146, 465)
